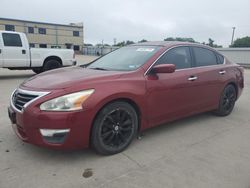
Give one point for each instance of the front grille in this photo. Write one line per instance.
(19, 99)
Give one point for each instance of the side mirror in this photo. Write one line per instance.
(164, 68)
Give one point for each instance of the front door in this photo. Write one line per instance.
(172, 95)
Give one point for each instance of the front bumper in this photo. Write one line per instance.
(36, 127)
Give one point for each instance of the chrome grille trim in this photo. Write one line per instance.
(25, 98)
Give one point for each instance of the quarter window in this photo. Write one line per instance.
(204, 57)
(220, 59)
(11, 39)
(179, 56)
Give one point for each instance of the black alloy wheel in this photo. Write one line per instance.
(227, 101)
(114, 128)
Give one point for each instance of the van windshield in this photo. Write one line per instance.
(125, 59)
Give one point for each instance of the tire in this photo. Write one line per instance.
(37, 70)
(227, 101)
(114, 128)
(51, 64)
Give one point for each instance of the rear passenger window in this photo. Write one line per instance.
(204, 57)
(11, 39)
(179, 56)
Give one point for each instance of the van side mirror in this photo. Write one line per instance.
(164, 68)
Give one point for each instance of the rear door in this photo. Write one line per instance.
(14, 51)
(210, 77)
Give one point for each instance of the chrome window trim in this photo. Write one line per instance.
(146, 72)
(39, 93)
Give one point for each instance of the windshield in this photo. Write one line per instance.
(125, 59)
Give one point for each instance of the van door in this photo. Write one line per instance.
(14, 51)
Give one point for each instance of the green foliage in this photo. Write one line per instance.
(180, 39)
(123, 43)
(143, 40)
(241, 42)
(211, 44)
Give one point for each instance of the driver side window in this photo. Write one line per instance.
(179, 56)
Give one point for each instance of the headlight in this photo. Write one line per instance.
(68, 102)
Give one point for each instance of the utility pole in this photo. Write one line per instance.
(233, 35)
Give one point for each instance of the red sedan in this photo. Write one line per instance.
(106, 103)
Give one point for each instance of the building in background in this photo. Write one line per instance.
(47, 35)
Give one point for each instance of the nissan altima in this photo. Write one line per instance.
(106, 103)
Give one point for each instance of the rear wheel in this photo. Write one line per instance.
(227, 101)
(51, 64)
(114, 128)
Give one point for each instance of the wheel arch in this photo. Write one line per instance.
(121, 99)
(57, 58)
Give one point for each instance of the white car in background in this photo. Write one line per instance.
(15, 54)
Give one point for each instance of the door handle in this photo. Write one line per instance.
(222, 72)
(23, 51)
(192, 78)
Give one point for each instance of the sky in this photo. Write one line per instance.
(134, 20)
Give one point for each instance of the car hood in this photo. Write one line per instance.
(67, 77)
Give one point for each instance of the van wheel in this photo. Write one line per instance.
(114, 128)
(51, 64)
(227, 101)
(37, 70)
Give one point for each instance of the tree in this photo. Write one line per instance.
(241, 42)
(124, 43)
(211, 44)
(179, 39)
(128, 42)
(143, 40)
(120, 44)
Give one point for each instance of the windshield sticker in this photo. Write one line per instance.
(145, 49)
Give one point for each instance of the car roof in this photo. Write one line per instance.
(166, 43)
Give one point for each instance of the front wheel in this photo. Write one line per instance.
(227, 101)
(114, 128)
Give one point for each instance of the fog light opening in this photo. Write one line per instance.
(54, 136)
